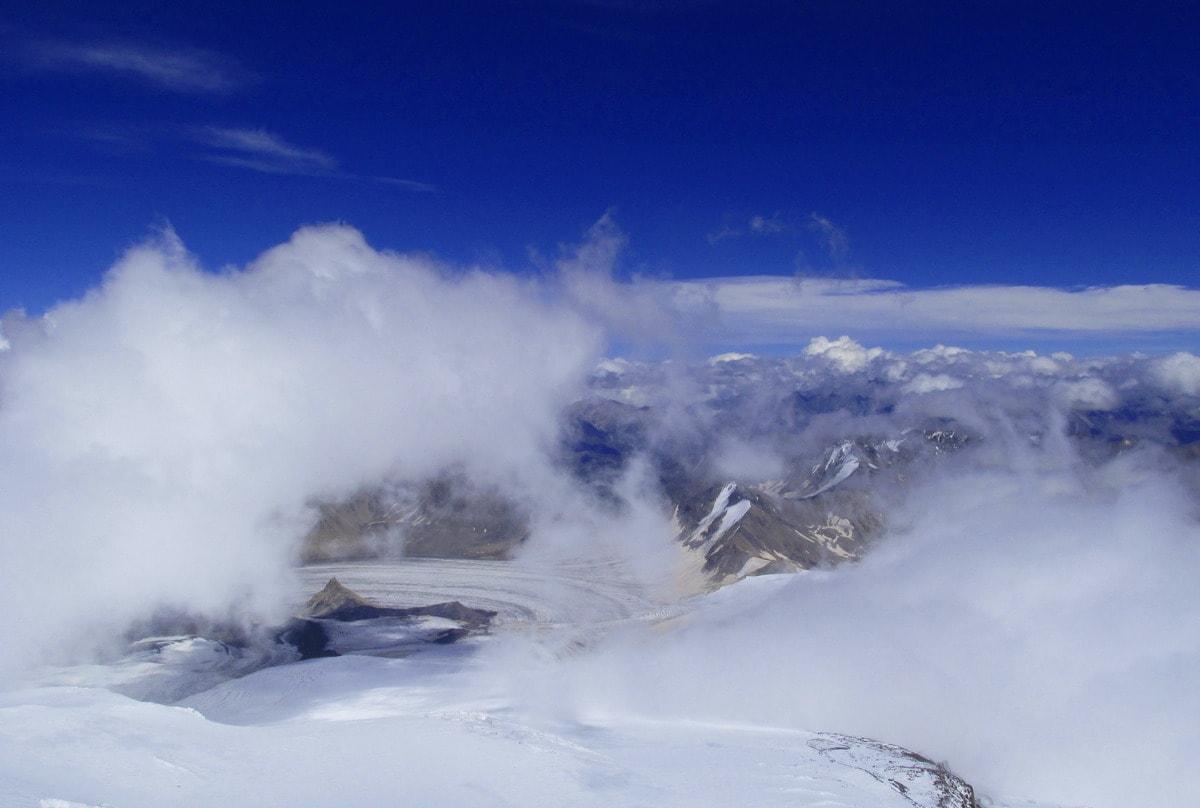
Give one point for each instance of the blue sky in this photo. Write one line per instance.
(1013, 144)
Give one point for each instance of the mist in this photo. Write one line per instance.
(165, 435)
(1029, 614)
(1028, 617)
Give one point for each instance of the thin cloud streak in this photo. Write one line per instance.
(756, 225)
(410, 185)
(768, 225)
(182, 70)
(260, 150)
(267, 153)
(833, 238)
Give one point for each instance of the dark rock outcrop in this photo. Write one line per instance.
(337, 602)
(312, 633)
(308, 637)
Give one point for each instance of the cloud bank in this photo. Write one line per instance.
(162, 436)
(1037, 628)
(1030, 614)
(769, 310)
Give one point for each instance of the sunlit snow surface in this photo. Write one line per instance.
(447, 726)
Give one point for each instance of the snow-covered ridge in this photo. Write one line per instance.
(720, 519)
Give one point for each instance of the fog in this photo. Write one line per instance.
(1030, 615)
(164, 435)
(1033, 623)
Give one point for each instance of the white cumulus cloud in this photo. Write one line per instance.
(842, 353)
(162, 436)
(1179, 372)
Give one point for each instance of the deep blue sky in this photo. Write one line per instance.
(1044, 143)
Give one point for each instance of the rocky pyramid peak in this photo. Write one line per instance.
(333, 598)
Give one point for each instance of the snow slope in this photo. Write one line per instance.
(486, 721)
(370, 731)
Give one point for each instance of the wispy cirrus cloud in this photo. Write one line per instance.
(241, 147)
(268, 153)
(182, 70)
(757, 225)
(833, 238)
(722, 233)
(768, 225)
(260, 150)
(408, 185)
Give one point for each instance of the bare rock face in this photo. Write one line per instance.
(333, 598)
(445, 517)
(359, 527)
(454, 519)
(741, 530)
(828, 505)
